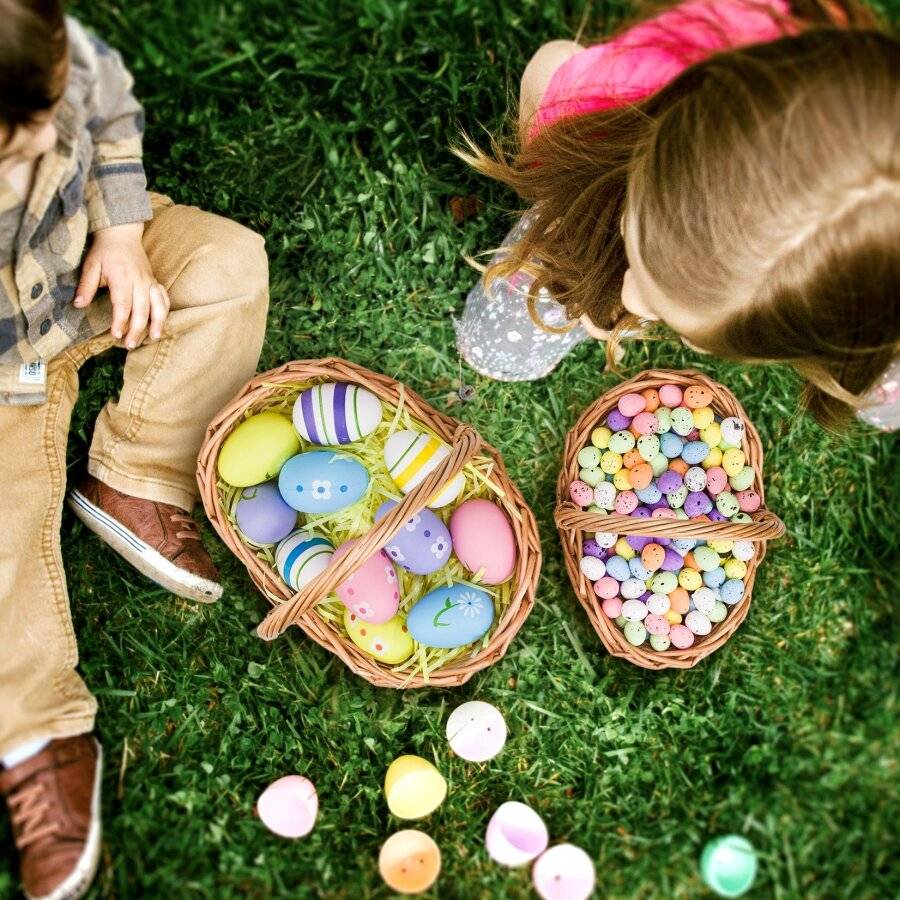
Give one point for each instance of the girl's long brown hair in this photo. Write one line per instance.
(765, 184)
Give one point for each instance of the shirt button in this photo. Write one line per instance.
(36, 291)
(45, 326)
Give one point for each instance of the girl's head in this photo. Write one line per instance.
(753, 205)
(33, 73)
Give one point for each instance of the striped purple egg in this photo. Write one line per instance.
(336, 413)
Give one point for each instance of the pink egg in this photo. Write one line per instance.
(657, 624)
(606, 587)
(670, 395)
(692, 435)
(631, 404)
(612, 607)
(645, 423)
(289, 806)
(716, 480)
(663, 513)
(626, 503)
(483, 539)
(476, 731)
(515, 835)
(372, 592)
(681, 636)
(749, 501)
(582, 494)
(564, 872)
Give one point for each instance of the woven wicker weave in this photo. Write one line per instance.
(573, 522)
(298, 608)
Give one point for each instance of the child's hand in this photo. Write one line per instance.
(117, 261)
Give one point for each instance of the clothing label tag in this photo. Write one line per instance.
(33, 373)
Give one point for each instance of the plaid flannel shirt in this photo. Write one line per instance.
(92, 179)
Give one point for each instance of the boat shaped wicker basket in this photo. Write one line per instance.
(573, 522)
(290, 608)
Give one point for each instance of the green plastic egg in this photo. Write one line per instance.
(257, 449)
(728, 865)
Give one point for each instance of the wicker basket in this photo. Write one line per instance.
(572, 523)
(298, 608)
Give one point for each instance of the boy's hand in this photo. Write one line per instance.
(116, 260)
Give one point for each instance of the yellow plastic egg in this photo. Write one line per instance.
(672, 617)
(600, 437)
(622, 480)
(733, 461)
(712, 434)
(611, 462)
(624, 549)
(413, 787)
(690, 579)
(714, 458)
(722, 547)
(735, 568)
(389, 642)
(703, 418)
(257, 449)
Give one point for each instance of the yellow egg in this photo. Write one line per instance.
(733, 461)
(703, 418)
(735, 568)
(413, 787)
(611, 462)
(624, 549)
(389, 642)
(712, 434)
(622, 480)
(722, 547)
(257, 449)
(714, 458)
(672, 617)
(600, 437)
(690, 579)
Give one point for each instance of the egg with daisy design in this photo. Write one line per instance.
(320, 482)
(422, 545)
(451, 616)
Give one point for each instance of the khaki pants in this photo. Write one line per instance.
(144, 444)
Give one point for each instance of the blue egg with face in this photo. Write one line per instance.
(321, 482)
(453, 616)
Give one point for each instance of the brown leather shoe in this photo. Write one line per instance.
(159, 540)
(54, 803)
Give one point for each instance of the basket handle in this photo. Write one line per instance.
(465, 444)
(765, 525)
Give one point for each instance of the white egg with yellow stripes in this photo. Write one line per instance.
(301, 556)
(411, 457)
(336, 413)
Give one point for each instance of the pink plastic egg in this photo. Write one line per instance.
(564, 872)
(483, 540)
(606, 587)
(749, 501)
(631, 404)
(716, 480)
(582, 494)
(289, 806)
(612, 607)
(626, 502)
(681, 636)
(645, 423)
(670, 395)
(372, 592)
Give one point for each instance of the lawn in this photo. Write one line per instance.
(325, 126)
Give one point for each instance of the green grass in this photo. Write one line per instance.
(325, 125)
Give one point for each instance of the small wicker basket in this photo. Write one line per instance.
(298, 608)
(572, 523)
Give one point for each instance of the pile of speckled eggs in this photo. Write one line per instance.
(307, 480)
(665, 454)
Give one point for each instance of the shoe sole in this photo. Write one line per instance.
(142, 556)
(80, 878)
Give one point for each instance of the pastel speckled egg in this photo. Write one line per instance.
(606, 588)
(635, 633)
(743, 550)
(564, 872)
(611, 462)
(612, 607)
(422, 545)
(748, 501)
(656, 624)
(617, 422)
(641, 476)
(336, 413)
(660, 642)
(681, 637)
(592, 568)
(631, 404)
(591, 477)
(605, 495)
(483, 540)
(410, 457)
(663, 419)
(645, 423)
(697, 504)
(648, 446)
(409, 862)
(698, 623)
(653, 556)
(727, 504)
(451, 616)
(372, 592)
(262, 516)
(634, 610)
(476, 731)
(600, 437)
(515, 835)
(289, 806)
(703, 418)
(658, 604)
(689, 579)
(716, 480)
(632, 588)
(622, 442)
(697, 395)
(733, 461)
(735, 568)
(695, 452)
(670, 445)
(257, 449)
(389, 642)
(718, 613)
(301, 556)
(695, 478)
(704, 600)
(664, 582)
(626, 503)
(670, 395)
(732, 591)
(732, 432)
(605, 539)
(682, 421)
(582, 494)
(321, 482)
(622, 480)
(743, 480)
(706, 558)
(651, 399)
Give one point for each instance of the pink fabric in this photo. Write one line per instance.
(640, 61)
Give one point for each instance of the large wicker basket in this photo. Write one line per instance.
(572, 523)
(298, 608)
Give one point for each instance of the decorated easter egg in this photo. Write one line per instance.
(411, 457)
(451, 616)
(635, 633)
(600, 437)
(592, 567)
(631, 404)
(743, 480)
(682, 421)
(733, 461)
(670, 395)
(483, 540)
(581, 492)
(622, 442)
(476, 731)
(389, 642)
(320, 482)
(257, 449)
(515, 835)
(422, 545)
(372, 591)
(262, 516)
(589, 457)
(336, 413)
(409, 862)
(660, 642)
(645, 423)
(413, 787)
(732, 432)
(289, 806)
(695, 452)
(605, 495)
(301, 556)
